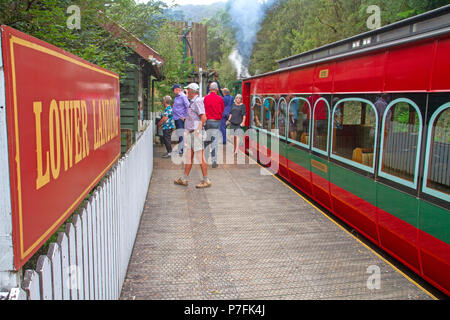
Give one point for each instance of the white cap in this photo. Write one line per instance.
(194, 87)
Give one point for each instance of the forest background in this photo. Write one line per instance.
(289, 27)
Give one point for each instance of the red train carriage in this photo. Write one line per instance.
(363, 127)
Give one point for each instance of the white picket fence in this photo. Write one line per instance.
(89, 261)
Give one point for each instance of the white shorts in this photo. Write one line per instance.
(194, 141)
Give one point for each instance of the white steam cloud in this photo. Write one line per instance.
(246, 19)
(237, 61)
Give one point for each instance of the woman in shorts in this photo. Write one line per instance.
(236, 120)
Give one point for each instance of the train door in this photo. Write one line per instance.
(299, 142)
(434, 214)
(398, 176)
(320, 148)
(281, 127)
(354, 135)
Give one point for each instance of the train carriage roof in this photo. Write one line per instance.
(431, 24)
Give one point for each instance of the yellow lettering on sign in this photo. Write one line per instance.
(319, 166)
(324, 74)
(105, 116)
(55, 157)
(78, 148)
(42, 178)
(84, 122)
(67, 138)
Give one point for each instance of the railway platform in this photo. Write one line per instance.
(251, 237)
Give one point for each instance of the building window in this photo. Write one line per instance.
(321, 123)
(354, 133)
(300, 121)
(401, 136)
(437, 170)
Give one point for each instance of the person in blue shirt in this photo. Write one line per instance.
(228, 100)
(180, 108)
(168, 125)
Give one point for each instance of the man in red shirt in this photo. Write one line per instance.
(214, 107)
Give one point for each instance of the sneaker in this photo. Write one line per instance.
(181, 182)
(167, 155)
(204, 185)
(214, 165)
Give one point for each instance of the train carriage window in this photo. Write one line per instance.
(299, 120)
(269, 106)
(354, 131)
(321, 123)
(400, 142)
(256, 112)
(281, 116)
(437, 170)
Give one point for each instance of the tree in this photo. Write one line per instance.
(169, 46)
(221, 41)
(47, 20)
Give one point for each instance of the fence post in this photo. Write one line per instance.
(9, 278)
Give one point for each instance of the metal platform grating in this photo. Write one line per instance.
(248, 237)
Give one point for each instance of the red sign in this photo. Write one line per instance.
(63, 117)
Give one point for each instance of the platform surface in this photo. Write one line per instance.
(249, 237)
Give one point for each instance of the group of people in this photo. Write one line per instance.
(200, 122)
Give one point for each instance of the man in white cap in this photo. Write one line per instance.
(195, 121)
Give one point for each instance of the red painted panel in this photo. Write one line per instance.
(283, 169)
(300, 177)
(300, 81)
(408, 68)
(257, 86)
(63, 117)
(362, 74)
(270, 84)
(441, 79)
(399, 238)
(321, 190)
(282, 82)
(435, 256)
(323, 78)
(355, 211)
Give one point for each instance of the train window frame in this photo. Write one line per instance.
(277, 127)
(307, 146)
(252, 120)
(264, 116)
(325, 153)
(381, 173)
(347, 161)
(425, 189)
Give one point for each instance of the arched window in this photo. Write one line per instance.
(300, 121)
(437, 171)
(268, 114)
(321, 115)
(255, 111)
(354, 133)
(282, 117)
(400, 142)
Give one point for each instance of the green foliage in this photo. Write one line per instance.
(221, 41)
(194, 13)
(170, 47)
(47, 20)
